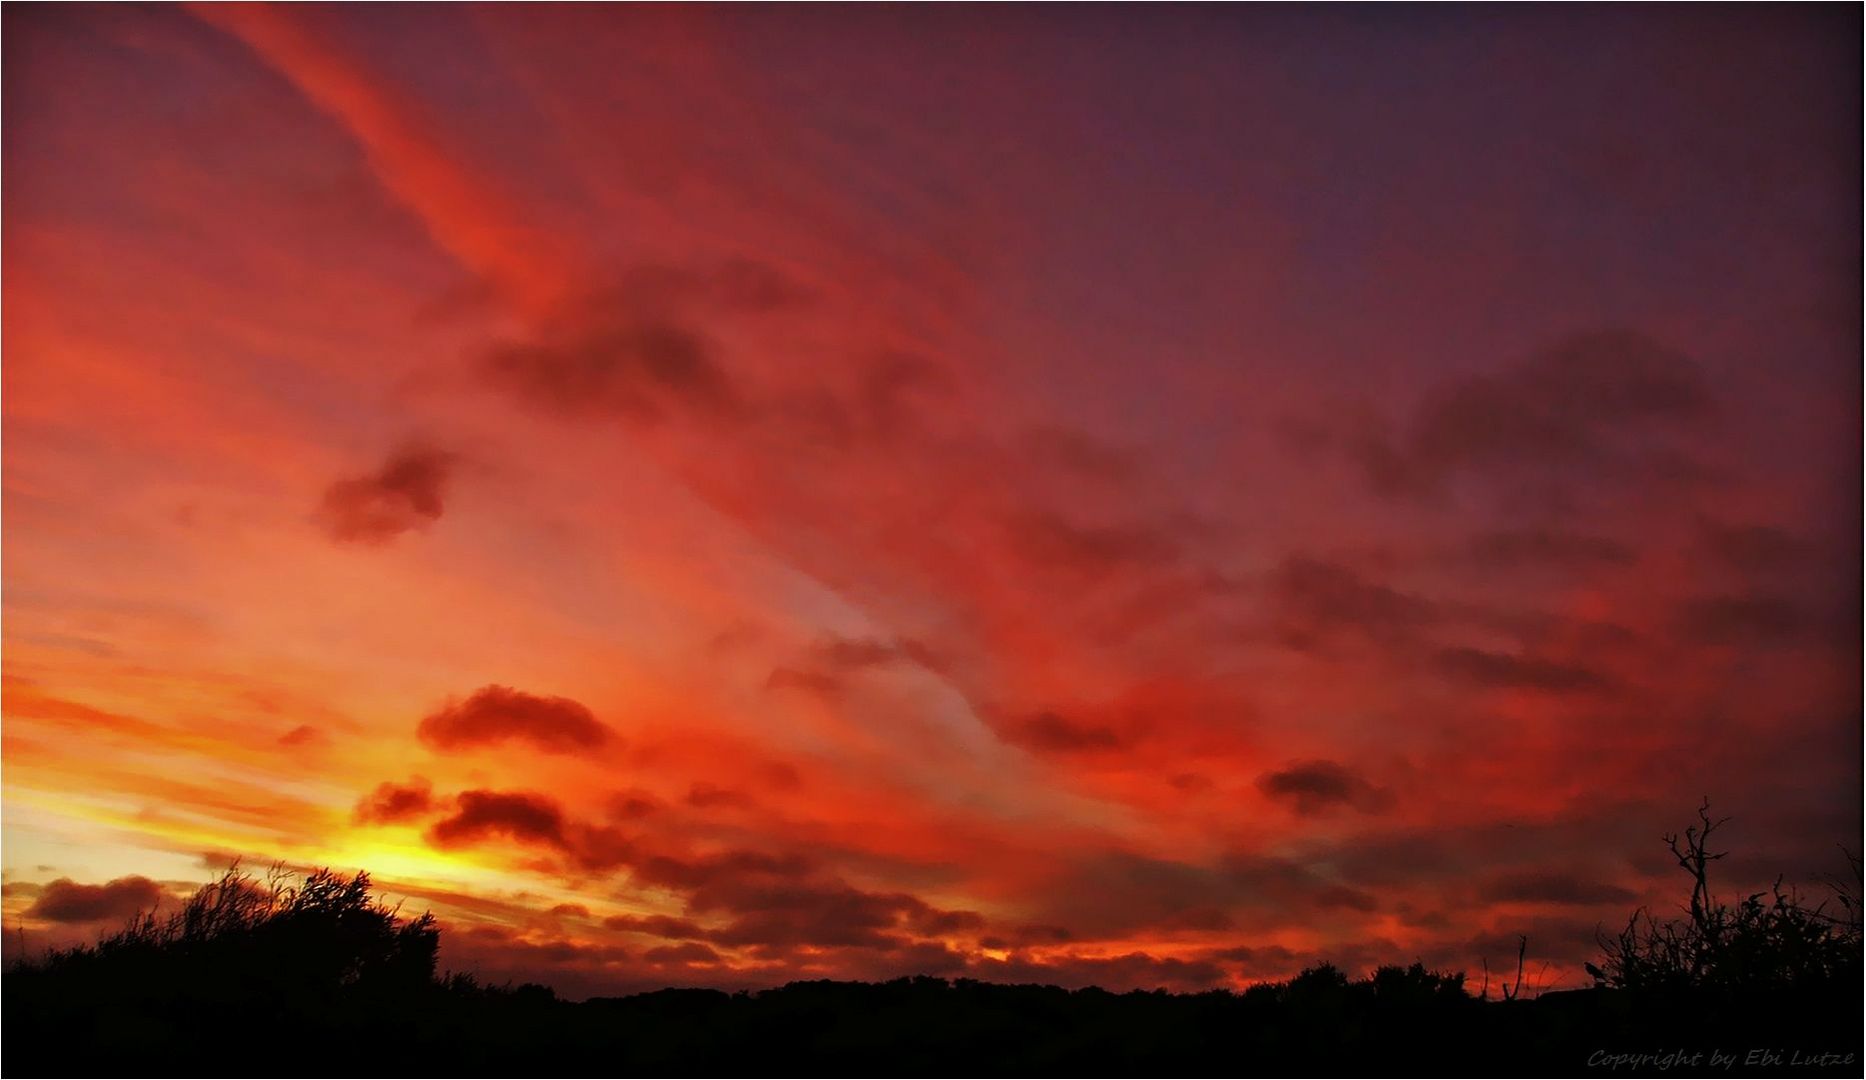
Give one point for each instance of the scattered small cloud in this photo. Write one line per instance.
(1478, 667)
(406, 493)
(391, 802)
(1321, 786)
(1052, 732)
(303, 735)
(1580, 403)
(67, 901)
(1552, 887)
(516, 815)
(495, 714)
(1518, 548)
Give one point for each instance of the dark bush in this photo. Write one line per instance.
(1767, 942)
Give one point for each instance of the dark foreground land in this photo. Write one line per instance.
(1401, 1023)
(317, 977)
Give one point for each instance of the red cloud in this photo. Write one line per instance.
(67, 901)
(518, 815)
(405, 493)
(392, 802)
(496, 713)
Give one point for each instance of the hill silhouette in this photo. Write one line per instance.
(281, 975)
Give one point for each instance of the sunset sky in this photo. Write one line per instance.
(1131, 496)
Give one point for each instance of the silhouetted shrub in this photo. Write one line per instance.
(1766, 942)
(260, 960)
(322, 934)
(1416, 987)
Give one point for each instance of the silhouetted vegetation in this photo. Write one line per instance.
(283, 974)
(1767, 942)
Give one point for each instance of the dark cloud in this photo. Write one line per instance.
(691, 952)
(1582, 402)
(600, 848)
(811, 915)
(731, 286)
(661, 926)
(1533, 627)
(1030, 934)
(1554, 887)
(1050, 540)
(1206, 919)
(302, 735)
(648, 350)
(782, 776)
(881, 401)
(1560, 939)
(631, 805)
(1343, 896)
(820, 683)
(1409, 857)
(1080, 454)
(1260, 961)
(889, 388)
(828, 914)
(517, 815)
(934, 922)
(1054, 733)
(1514, 548)
(570, 911)
(643, 370)
(719, 870)
(1117, 893)
(406, 493)
(1313, 601)
(1436, 921)
(67, 901)
(636, 349)
(707, 796)
(532, 820)
(392, 802)
(857, 652)
(832, 662)
(854, 654)
(1741, 619)
(496, 713)
(1318, 787)
(1478, 667)
(783, 901)
(752, 286)
(1752, 548)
